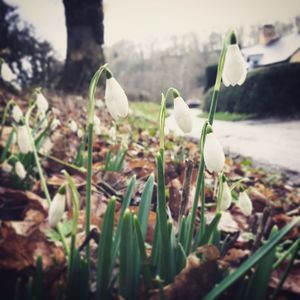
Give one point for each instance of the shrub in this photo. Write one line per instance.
(269, 91)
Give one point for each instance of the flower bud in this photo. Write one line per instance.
(245, 204)
(23, 139)
(17, 113)
(226, 197)
(57, 208)
(182, 115)
(213, 154)
(97, 129)
(115, 99)
(20, 171)
(80, 133)
(97, 121)
(55, 123)
(73, 125)
(235, 67)
(6, 167)
(42, 103)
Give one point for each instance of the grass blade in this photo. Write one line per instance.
(125, 205)
(249, 263)
(104, 252)
(145, 205)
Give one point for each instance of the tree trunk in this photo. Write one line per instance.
(84, 22)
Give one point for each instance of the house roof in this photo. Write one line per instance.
(277, 51)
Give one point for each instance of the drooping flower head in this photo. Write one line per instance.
(226, 197)
(73, 126)
(57, 207)
(20, 170)
(235, 67)
(245, 203)
(115, 98)
(213, 154)
(23, 139)
(42, 103)
(182, 115)
(17, 113)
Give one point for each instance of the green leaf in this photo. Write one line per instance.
(105, 252)
(250, 262)
(127, 260)
(125, 204)
(258, 285)
(145, 205)
(141, 245)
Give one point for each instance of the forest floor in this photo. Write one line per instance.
(25, 233)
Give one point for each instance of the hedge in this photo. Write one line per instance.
(268, 91)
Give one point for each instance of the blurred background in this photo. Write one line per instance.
(153, 44)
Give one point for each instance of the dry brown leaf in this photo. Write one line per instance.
(18, 252)
(197, 278)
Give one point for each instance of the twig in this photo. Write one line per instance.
(186, 187)
(260, 229)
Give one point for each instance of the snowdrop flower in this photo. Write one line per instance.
(235, 67)
(226, 197)
(55, 123)
(6, 167)
(182, 115)
(115, 99)
(213, 154)
(97, 121)
(99, 103)
(112, 133)
(20, 170)
(23, 139)
(80, 133)
(73, 125)
(97, 129)
(57, 207)
(6, 73)
(42, 103)
(47, 146)
(17, 113)
(245, 204)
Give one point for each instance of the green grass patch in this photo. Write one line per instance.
(144, 115)
(227, 116)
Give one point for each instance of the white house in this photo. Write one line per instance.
(273, 49)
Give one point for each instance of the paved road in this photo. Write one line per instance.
(266, 141)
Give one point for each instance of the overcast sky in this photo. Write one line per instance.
(144, 20)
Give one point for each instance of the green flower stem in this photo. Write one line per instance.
(4, 116)
(200, 178)
(91, 113)
(36, 157)
(41, 174)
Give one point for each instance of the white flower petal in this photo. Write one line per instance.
(213, 154)
(56, 209)
(23, 139)
(245, 204)
(115, 99)
(42, 103)
(73, 125)
(226, 197)
(235, 67)
(17, 113)
(6, 167)
(96, 121)
(55, 123)
(20, 170)
(182, 115)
